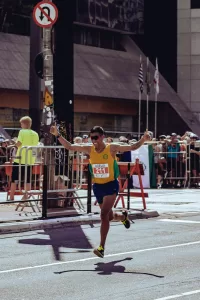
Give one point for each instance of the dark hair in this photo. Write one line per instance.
(97, 129)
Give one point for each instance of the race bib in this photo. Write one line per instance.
(100, 170)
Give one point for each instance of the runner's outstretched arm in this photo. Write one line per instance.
(135, 146)
(67, 144)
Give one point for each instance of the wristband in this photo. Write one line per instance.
(59, 135)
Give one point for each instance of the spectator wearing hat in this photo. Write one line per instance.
(109, 140)
(78, 140)
(85, 138)
(133, 141)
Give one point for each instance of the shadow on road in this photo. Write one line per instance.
(111, 268)
(65, 237)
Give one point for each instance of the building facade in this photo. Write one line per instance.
(109, 37)
(189, 54)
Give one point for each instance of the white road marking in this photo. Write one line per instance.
(179, 221)
(180, 295)
(93, 258)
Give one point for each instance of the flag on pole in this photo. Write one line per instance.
(148, 79)
(140, 76)
(156, 78)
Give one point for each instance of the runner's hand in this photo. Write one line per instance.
(54, 130)
(146, 136)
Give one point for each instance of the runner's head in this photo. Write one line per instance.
(97, 135)
(26, 122)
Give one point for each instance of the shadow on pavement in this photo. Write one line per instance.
(67, 237)
(111, 268)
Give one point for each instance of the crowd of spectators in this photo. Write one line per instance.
(176, 162)
(175, 159)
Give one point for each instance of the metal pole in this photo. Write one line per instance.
(147, 121)
(48, 107)
(128, 192)
(148, 91)
(44, 195)
(156, 108)
(139, 119)
(34, 80)
(89, 196)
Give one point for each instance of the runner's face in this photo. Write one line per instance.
(96, 138)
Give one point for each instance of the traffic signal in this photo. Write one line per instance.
(39, 65)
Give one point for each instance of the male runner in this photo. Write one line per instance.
(105, 171)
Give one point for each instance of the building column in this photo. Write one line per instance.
(64, 67)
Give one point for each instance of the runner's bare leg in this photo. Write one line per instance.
(107, 215)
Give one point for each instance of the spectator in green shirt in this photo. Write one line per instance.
(27, 137)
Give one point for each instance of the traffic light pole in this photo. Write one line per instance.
(48, 107)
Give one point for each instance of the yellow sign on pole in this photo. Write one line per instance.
(48, 99)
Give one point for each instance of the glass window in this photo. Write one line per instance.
(125, 15)
(195, 4)
(97, 38)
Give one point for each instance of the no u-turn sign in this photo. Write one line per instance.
(45, 14)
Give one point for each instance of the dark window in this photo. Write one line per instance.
(97, 38)
(15, 16)
(195, 4)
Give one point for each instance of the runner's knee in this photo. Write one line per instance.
(111, 216)
(104, 214)
(115, 215)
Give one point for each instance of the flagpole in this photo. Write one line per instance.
(147, 104)
(156, 83)
(147, 122)
(140, 98)
(139, 119)
(156, 108)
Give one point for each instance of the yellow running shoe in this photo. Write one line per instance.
(126, 221)
(99, 252)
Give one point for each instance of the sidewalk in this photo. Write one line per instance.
(170, 202)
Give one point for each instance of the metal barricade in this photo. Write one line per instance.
(59, 168)
(171, 163)
(194, 164)
(80, 169)
(58, 188)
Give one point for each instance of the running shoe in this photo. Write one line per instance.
(126, 221)
(99, 252)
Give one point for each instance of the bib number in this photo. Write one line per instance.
(100, 170)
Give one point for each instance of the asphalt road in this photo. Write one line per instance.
(155, 259)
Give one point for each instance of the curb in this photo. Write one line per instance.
(16, 227)
(150, 214)
(144, 214)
